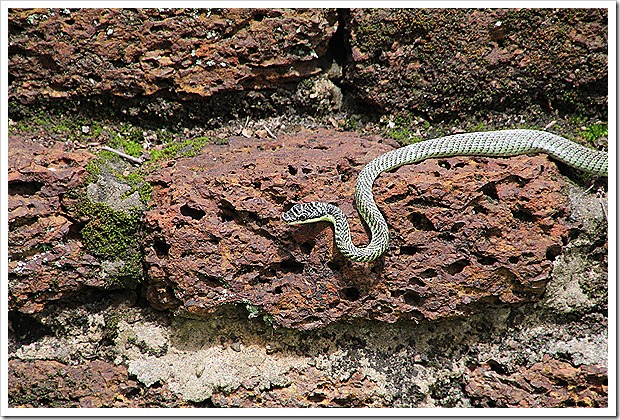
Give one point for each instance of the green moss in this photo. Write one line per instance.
(402, 132)
(110, 328)
(112, 235)
(594, 132)
(187, 148)
(136, 179)
(129, 146)
(109, 234)
(93, 167)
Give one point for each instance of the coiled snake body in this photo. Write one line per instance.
(492, 143)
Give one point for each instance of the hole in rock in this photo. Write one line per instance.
(75, 231)
(334, 265)
(396, 197)
(412, 298)
(428, 273)
(409, 250)
(487, 260)
(24, 188)
(573, 234)
(316, 398)
(292, 170)
(26, 328)
(307, 246)
(494, 231)
(291, 266)
(131, 392)
(522, 215)
(350, 293)
(337, 48)
(446, 236)
(210, 281)
(514, 259)
(457, 227)
(22, 221)
(444, 164)
(416, 281)
(277, 290)
(497, 367)
(516, 179)
(227, 212)
(456, 267)
(195, 214)
(161, 248)
(490, 191)
(420, 221)
(480, 210)
(552, 252)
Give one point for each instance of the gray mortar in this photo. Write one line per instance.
(580, 282)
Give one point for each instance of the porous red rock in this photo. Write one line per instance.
(178, 53)
(94, 383)
(550, 383)
(466, 232)
(46, 257)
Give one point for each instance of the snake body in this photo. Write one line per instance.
(491, 143)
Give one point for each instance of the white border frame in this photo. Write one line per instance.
(611, 410)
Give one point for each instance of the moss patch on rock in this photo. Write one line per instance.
(113, 236)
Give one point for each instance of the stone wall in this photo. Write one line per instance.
(158, 272)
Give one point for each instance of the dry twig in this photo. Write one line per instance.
(139, 161)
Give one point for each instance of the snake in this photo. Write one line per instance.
(501, 143)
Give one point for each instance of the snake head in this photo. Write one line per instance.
(308, 213)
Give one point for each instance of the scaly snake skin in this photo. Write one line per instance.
(491, 143)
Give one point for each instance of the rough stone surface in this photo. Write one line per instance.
(495, 226)
(179, 53)
(455, 61)
(439, 63)
(92, 384)
(550, 383)
(229, 360)
(46, 260)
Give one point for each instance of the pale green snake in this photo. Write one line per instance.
(491, 143)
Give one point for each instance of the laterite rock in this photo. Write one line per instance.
(466, 232)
